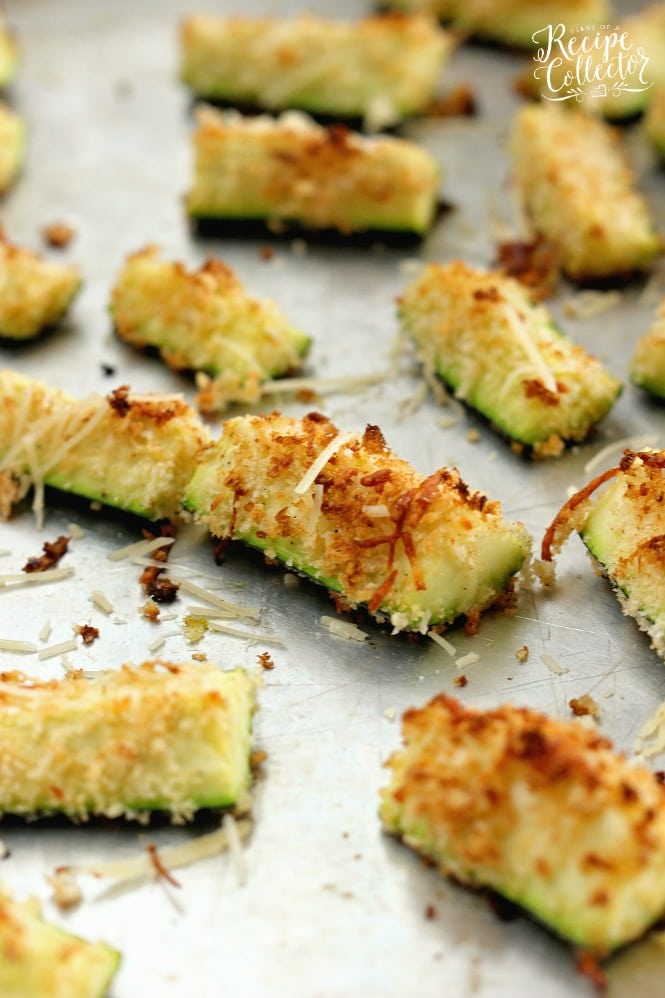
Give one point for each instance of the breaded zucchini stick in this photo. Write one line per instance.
(135, 452)
(380, 69)
(204, 320)
(624, 530)
(157, 737)
(502, 354)
(8, 53)
(344, 510)
(507, 22)
(41, 959)
(35, 293)
(654, 122)
(578, 193)
(12, 146)
(290, 170)
(647, 366)
(541, 811)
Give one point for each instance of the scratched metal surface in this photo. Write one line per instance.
(331, 906)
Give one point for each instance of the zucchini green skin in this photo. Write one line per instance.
(463, 322)
(41, 959)
(159, 737)
(291, 171)
(380, 69)
(204, 320)
(541, 811)
(135, 454)
(624, 529)
(416, 551)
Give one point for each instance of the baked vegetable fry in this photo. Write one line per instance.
(290, 170)
(647, 366)
(12, 146)
(543, 812)
(157, 737)
(205, 321)
(135, 452)
(507, 22)
(578, 193)
(34, 293)
(380, 69)
(347, 512)
(624, 529)
(502, 354)
(40, 959)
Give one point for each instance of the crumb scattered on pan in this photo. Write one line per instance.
(265, 660)
(473, 435)
(460, 102)
(430, 912)
(584, 706)
(53, 552)
(66, 891)
(59, 234)
(266, 253)
(460, 680)
(87, 632)
(390, 713)
(522, 653)
(150, 610)
(533, 263)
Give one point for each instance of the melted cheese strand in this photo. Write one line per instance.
(310, 476)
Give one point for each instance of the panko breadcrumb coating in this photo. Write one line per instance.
(35, 293)
(541, 811)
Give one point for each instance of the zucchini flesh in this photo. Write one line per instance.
(132, 452)
(290, 171)
(501, 353)
(347, 512)
(34, 293)
(647, 366)
(541, 811)
(157, 737)
(41, 960)
(204, 321)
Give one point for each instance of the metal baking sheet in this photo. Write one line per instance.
(331, 906)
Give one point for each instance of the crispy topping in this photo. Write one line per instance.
(53, 552)
(119, 400)
(87, 632)
(59, 234)
(533, 263)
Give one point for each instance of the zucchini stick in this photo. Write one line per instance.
(35, 293)
(157, 737)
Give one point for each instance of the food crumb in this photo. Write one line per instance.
(584, 706)
(66, 892)
(460, 680)
(460, 102)
(266, 253)
(473, 435)
(430, 912)
(108, 370)
(199, 656)
(53, 552)
(194, 627)
(59, 234)
(150, 610)
(522, 653)
(265, 660)
(87, 632)
(390, 713)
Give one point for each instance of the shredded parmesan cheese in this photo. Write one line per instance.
(100, 601)
(618, 447)
(18, 579)
(139, 548)
(20, 647)
(235, 848)
(443, 643)
(209, 597)
(552, 664)
(236, 632)
(60, 648)
(516, 322)
(376, 510)
(141, 867)
(343, 628)
(322, 385)
(308, 479)
(465, 660)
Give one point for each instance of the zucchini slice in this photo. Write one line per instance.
(623, 528)
(205, 321)
(380, 69)
(157, 737)
(12, 146)
(35, 293)
(41, 960)
(578, 193)
(344, 510)
(647, 366)
(134, 452)
(542, 812)
(502, 354)
(292, 171)
(507, 22)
